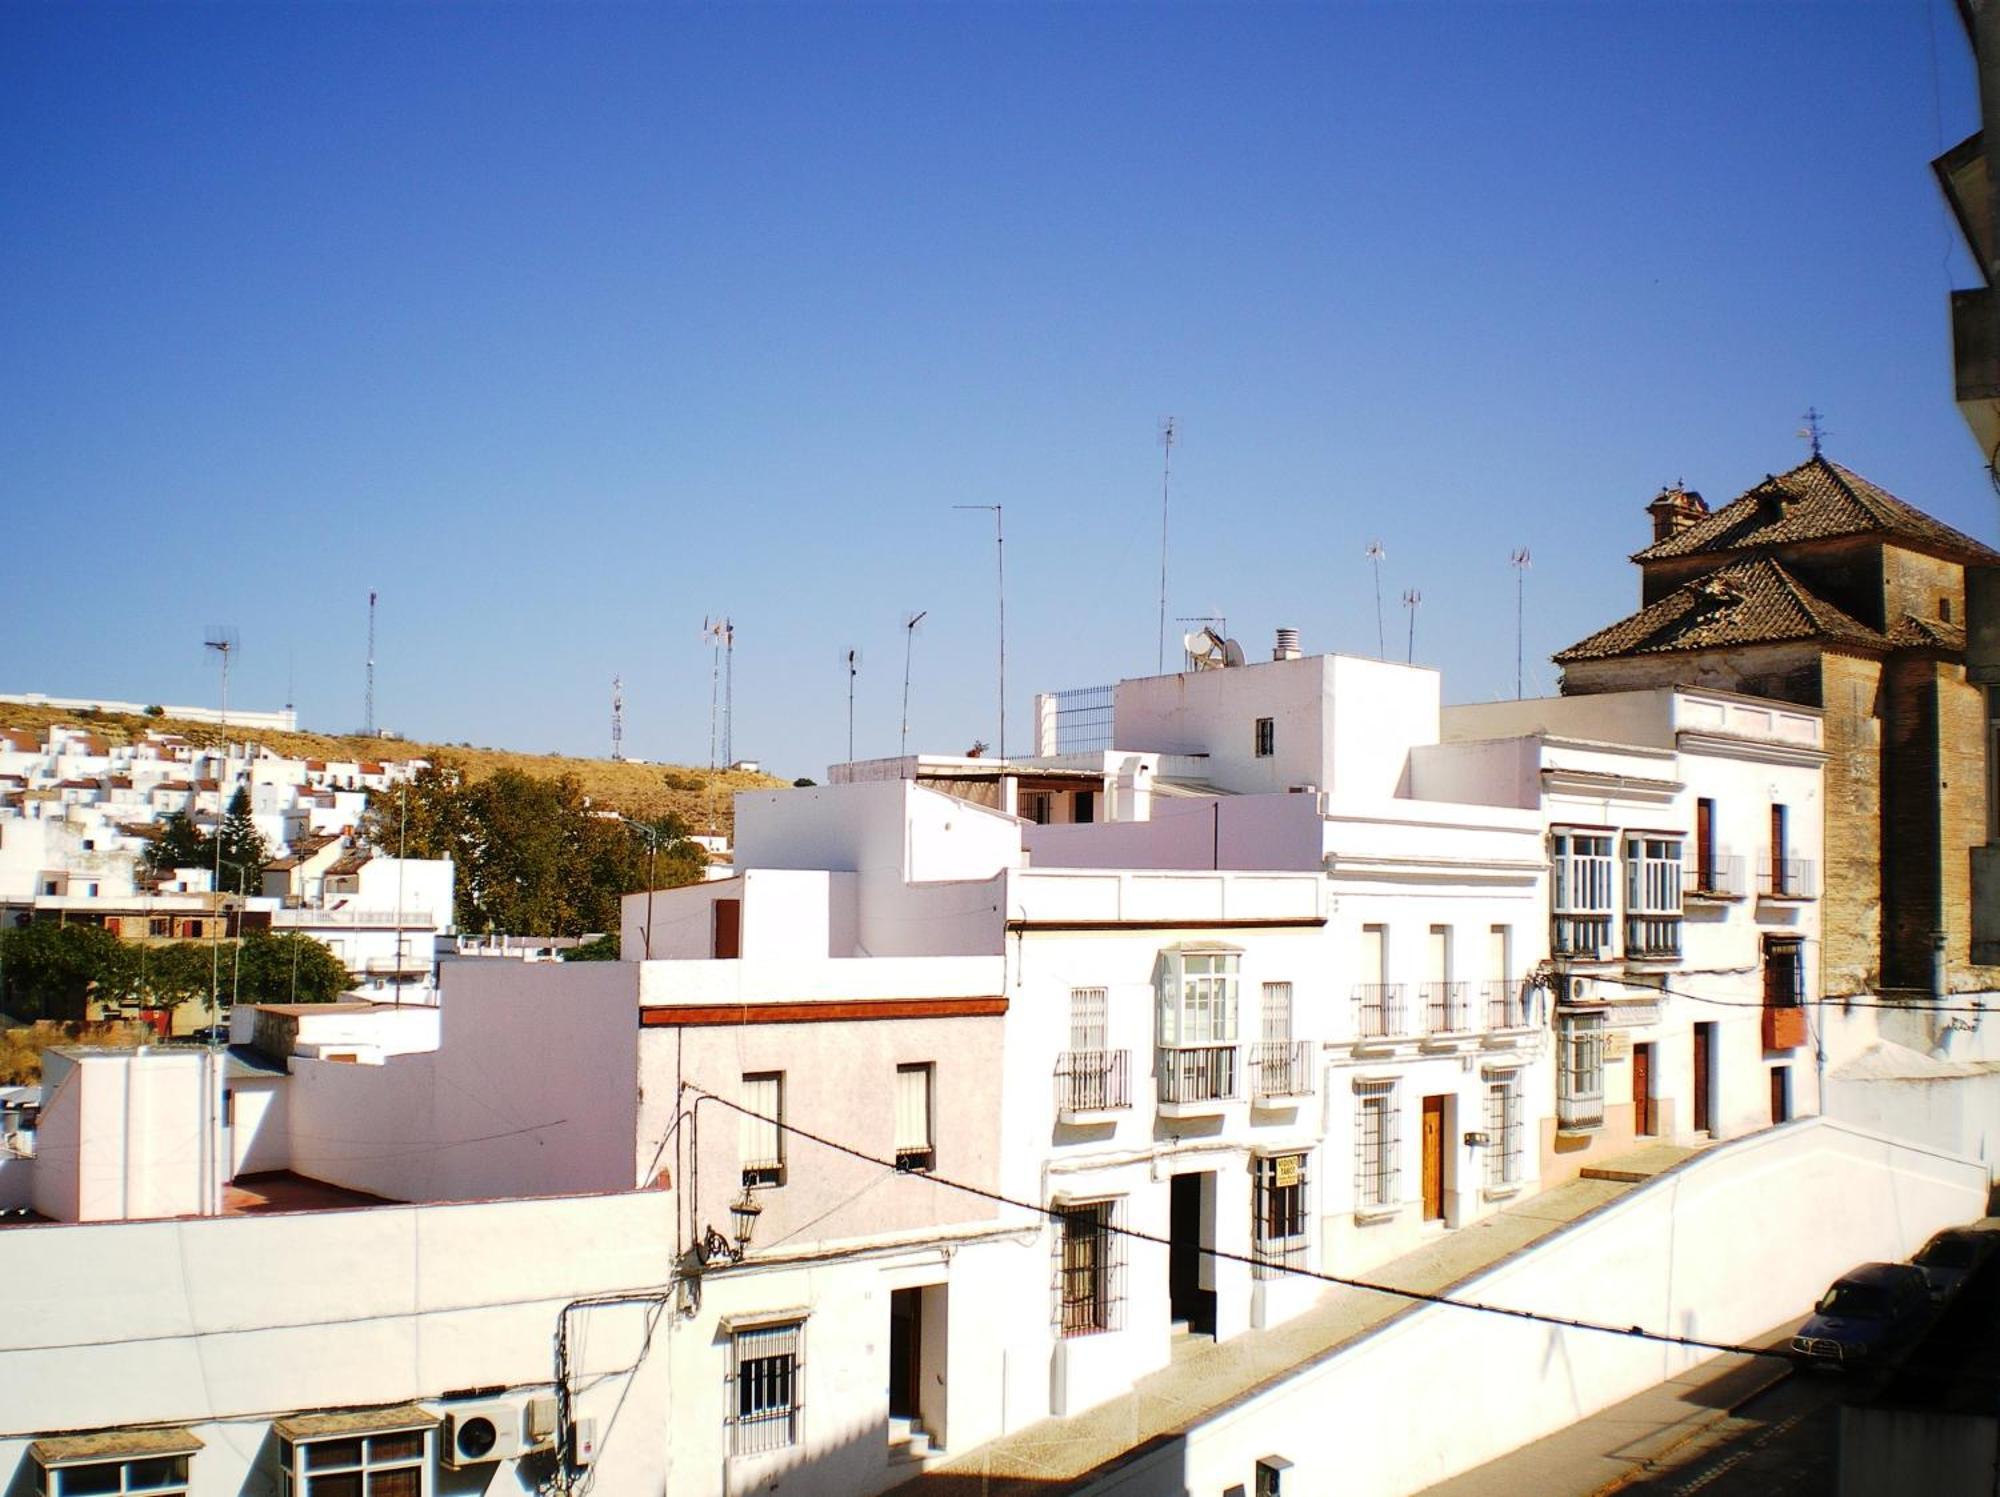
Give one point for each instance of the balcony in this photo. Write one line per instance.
(1280, 1069)
(1785, 878)
(1195, 1080)
(1653, 937)
(1446, 1010)
(1724, 877)
(1378, 1011)
(1510, 1004)
(1092, 1084)
(1580, 1112)
(1784, 1026)
(1585, 934)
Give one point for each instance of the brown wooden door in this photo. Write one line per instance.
(1702, 1077)
(1642, 1090)
(1704, 844)
(728, 928)
(1781, 1094)
(1433, 1159)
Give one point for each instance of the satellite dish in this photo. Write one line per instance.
(1207, 650)
(1195, 642)
(1232, 652)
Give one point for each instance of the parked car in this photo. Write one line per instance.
(211, 1034)
(1949, 1258)
(1869, 1312)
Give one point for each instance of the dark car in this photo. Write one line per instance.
(1949, 1258)
(1869, 1312)
(213, 1034)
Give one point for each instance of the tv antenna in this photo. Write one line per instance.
(1169, 434)
(1375, 555)
(1520, 561)
(368, 701)
(909, 644)
(1411, 598)
(728, 692)
(852, 658)
(711, 634)
(617, 718)
(223, 639)
(1000, 564)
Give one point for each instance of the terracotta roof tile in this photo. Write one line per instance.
(1815, 501)
(1753, 602)
(1918, 633)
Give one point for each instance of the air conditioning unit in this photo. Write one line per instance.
(481, 1431)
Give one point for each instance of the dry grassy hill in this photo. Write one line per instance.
(701, 798)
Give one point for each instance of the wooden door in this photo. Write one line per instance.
(1704, 844)
(1433, 1159)
(1702, 1077)
(1642, 1090)
(728, 928)
(1781, 1094)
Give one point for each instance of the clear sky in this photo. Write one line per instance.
(565, 326)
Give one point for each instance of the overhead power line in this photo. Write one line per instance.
(1419, 1296)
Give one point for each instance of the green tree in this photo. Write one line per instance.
(52, 971)
(287, 967)
(178, 972)
(602, 949)
(180, 844)
(244, 853)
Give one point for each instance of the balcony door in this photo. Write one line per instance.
(1191, 1228)
(1704, 1075)
(1433, 1159)
(1643, 1122)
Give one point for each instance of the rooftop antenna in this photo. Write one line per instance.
(1812, 431)
(909, 643)
(222, 639)
(1169, 433)
(728, 692)
(1520, 561)
(853, 659)
(368, 703)
(617, 720)
(711, 632)
(1375, 554)
(1411, 598)
(1000, 561)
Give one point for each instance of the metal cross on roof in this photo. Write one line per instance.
(1812, 431)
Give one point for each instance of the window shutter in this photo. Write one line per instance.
(913, 1108)
(761, 1141)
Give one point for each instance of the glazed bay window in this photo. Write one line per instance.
(1580, 1070)
(1582, 893)
(1197, 1025)
(1374, 1145)
(357, 1452)
(150, 1461)
(767, 1384)
(1652, 896)
(1280, 1215)
(1089, 1268)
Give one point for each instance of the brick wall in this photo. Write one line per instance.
(1914, 583)
(1911, 850)
(1851, 889)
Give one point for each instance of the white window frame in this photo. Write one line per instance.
(1089, 1010)
(1275, 1252)
(916, 1116)
(51, 1480)
(1275, 1016)
(775, 1419)
(1582, 894)
(301, 1475)
(1504, 1109)
(1376, 1119)
(761, 1145)
(1579, 1069)
(1199, 998)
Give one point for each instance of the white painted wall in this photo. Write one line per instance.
(130, 1135)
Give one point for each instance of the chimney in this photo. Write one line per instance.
(1674, 511)
(1288, 645)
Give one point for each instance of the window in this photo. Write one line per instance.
(916, 1147)
(1704, 845)
(61, 1471)
(766, 1367)
(1582, 893)
(356, 1453)
(1083, 807)
(1089, 1268)
(1279, 1214)
(1503, 1129)
(1270, 1476)
(1035, 807)
(1266, 737)
(762, 1138)
(1781, 1094)
(1782, 877)
(1086, 1018)
(1090, 1077)
(1374, 1145)
(727, 929)
(1652, 896)
(1580, 1071)
(1784, 973)
(1198, 998)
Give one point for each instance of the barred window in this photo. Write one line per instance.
(1280, 1212)
(1086, 1018)
(1374, 1145)
(766, 1371)
(1277, 1012)
(761, 1139)
(1503, 1129)
(1580, 1070)
(1581, 896)
(1090, 1268)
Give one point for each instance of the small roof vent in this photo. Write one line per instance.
(1287, 647)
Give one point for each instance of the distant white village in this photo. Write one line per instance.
(1122, 1118)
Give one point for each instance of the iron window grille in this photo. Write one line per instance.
(1445, 1008)
(1280, 1210)
(1503, 1130)
(1510, 1004)
(392, 1464)
(1580, 1071)
(767, 1388)
(1093, 1080)
(762, 1142)
(1265, 737)
(1582, 894)
(1089, 1269)
(1378, 1010)
(1375, 1151)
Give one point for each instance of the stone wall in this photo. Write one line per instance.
(1851, 885)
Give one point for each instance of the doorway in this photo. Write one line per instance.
(1704, 1076)
(906, 1320)
(1434, 1159)
(1781, 1094)
(1191, 1228)
(1644, 1122)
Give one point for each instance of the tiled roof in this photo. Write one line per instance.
(1815, 501)
(1753, 602)
(1912, 631)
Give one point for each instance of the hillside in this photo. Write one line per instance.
(702, 799)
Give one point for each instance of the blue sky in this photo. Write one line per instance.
(566, 326)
